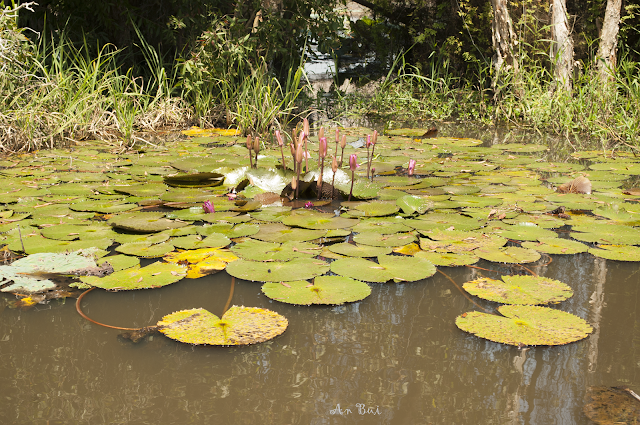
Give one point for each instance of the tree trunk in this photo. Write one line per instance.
(561, 44)
(504, 40)
(606, 58)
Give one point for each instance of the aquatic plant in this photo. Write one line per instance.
(208, 207)
(411, 168)
(353, 165)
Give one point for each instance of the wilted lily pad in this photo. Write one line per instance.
(154, 275)
(276, 271)
(324, 290)
(615, 405)
(519, 290)
(525, 325)
(202, 262)
(238, 326)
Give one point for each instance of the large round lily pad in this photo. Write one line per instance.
(324, 290)
(276, 271)
(145, 222)
(317, 221)
(511, 254)
(556, 246)
(617, 252)
(388, 267)
(276, 232)
(375, 239)
(256, 250)
(528, 290)
(525, 325)
(238, 326)
(154, 275)
(449, 259)
(351, 250)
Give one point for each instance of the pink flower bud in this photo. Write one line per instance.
(412, 166)
(368, 140)
(279, 138)
(322, 150)
(208, 207)
(353, 162)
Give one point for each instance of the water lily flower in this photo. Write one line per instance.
(308, 205)
(208, 207)
(412, 166)
(231, 196)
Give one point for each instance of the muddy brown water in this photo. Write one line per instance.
(394, 358)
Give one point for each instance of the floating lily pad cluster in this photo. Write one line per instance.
(463, 202)
(522, 321)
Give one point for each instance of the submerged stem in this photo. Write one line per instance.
(226, 306)
(79, 310)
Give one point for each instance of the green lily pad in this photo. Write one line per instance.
(389, 267)
(375, 239)
(102, 207)
(69, 232)
(556, 246)
(448, 259)
(617, 252)
(238, 326)
(317, 221)
(155, 275)
(351, 250)
(256, 250)
(375, 209)
(194, 180)
(444, 221)
(386, 225)
(125, 238)
(328, 290)
(276, 232)
(520, 232)
(463, 245)
(145, 250)
(511, 254)
(276, 271)
(414, 204)
(144, 190)
(529, 290)
(525, 325)
(144, 222)
(229, 230)
(606, 233)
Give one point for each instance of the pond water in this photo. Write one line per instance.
(395, 357)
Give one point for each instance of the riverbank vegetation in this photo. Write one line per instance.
(125, 73)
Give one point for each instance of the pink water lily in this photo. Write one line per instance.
(412, 166)
(208, 207)
(308, 205)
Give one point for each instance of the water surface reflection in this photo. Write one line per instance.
(394, 358)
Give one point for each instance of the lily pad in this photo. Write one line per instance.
(238, 326)
(351, 250)
(375, 239)
(556, 246)
(389, 267)
(276, 271)
(511, 254)
(155, 275)
(525, 325)
(202, 262)
(256, 250)
(529, 290)
(375, 209)
(276, 232)
(317, 221)
(27, 273)
(414, 204)
(145, 250)
(617, 252)
(331, 290)
(606, 233)
(144, 222)
(448, 259)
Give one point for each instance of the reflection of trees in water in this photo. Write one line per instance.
(399, 350)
